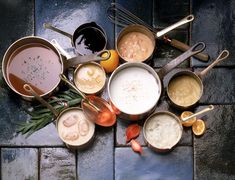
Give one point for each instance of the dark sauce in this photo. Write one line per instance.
(89, 41)
(36, 65)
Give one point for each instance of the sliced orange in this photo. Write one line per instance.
(112, 63)
(189, 122)
(199, 127)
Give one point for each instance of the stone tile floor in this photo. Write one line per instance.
(44, 156)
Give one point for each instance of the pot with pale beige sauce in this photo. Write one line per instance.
(185, 88)
(136, 43)
(135, 88)
(162, 131)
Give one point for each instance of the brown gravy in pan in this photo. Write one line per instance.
(35, 64)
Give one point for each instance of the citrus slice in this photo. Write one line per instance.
(189, 122)
(199, 127)
(112, 63)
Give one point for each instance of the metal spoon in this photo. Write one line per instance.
(211, 107)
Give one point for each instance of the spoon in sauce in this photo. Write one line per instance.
(95, 108)
(211, 107)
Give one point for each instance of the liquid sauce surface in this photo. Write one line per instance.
(35, 64)
(135, 47)
(89, 41)
(90, 78)
(163, 131)
(184, 90)
(74, 128)
(134, 90)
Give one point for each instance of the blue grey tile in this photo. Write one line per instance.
(214, 152)
(16, 22)
(57, 163)
(214, 25)
(96, 162)
(177, 164)
(168, 12)
(9, 124)
(219, 86)
(68, 15)
(19, 163)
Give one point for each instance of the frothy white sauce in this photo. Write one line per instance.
(163, 131)
(134, 90)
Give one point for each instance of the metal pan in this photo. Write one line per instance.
(89, 38)
(163, 130)
(185, 88)
(133, 47)
(36, 61)
(73, 128)
(128, 91)
(122, 17)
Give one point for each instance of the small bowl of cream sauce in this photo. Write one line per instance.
(162, 131)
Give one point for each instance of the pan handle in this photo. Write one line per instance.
(183, 21)
(223, 55)
(87, 58)
(61, 50)
(49, 26)
(29, 89)
(197, 48)
(184, 47)
(211, 107)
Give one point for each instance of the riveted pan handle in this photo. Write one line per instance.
(197, 48)
(49, 26)
(223, 55)
(183, 21)
(87, 58)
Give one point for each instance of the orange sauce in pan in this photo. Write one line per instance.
(35, 64)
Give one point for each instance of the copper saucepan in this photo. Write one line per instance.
(129, 85)
(185, 88)
(36, 61)
(136, 43)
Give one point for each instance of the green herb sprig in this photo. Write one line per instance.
(41, 116)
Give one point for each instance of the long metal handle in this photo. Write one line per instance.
(87, 58)
(223, 55)
(61, 50)
(29, 89)
(199, 47)
(211, 107)
(183, 21)
(49, 26)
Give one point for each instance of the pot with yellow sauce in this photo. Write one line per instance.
(185, 88)
(90, 78)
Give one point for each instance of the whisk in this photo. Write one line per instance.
(120, 16)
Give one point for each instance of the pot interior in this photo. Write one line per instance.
(185, 89)
(135, 43)
(74, 128)
(33, 61)
(162, 130)
(134, 88)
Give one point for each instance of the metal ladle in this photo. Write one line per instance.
(211, 107)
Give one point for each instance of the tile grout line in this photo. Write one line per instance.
(39, 162)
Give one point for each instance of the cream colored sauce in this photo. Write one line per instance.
(163, 131)
(74, 129)
(134, 90)
(90, 78)
(184, 90)
(135, 47)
